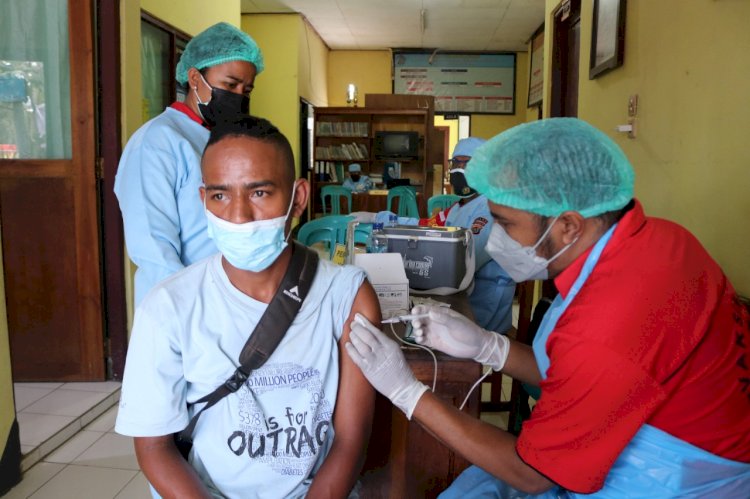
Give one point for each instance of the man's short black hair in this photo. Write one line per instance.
(255, 128)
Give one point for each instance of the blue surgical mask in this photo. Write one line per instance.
(520, 262)
(252, 246)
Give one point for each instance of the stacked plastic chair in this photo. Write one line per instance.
(440, 202)
(330, 229)
(334, 193)
(407, 201)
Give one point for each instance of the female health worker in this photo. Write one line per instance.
(159, 174)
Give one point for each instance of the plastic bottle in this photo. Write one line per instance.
(392, 220)
(376, 241)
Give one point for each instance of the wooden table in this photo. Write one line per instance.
(403, 459)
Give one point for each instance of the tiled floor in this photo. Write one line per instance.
(69, 446)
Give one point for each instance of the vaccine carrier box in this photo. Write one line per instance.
(385, 271)
(434, 257)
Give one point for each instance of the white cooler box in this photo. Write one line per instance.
(437, 260)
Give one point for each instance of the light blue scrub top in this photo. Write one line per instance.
(492, 297)
(157, 185)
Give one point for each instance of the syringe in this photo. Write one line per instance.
(404, 318)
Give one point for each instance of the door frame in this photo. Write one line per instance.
(109, 131)
(563, 62)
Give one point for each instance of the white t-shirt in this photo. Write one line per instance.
(269, 438)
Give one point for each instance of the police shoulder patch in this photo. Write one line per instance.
(478, 225)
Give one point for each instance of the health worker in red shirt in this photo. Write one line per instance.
(643, 358)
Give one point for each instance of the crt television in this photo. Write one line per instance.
(397, 145)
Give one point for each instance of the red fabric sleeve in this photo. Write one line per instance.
(593, 402)
(437, 220)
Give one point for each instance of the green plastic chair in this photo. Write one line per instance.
(335, 193)
(440, 202)
(407, 201)
(330, 229)
(361, 233)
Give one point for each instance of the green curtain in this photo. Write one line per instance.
(155, 70)
(34, 80)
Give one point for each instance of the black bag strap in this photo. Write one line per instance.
(270, 329)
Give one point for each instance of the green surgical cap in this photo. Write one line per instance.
(551, 166)
(218, 44)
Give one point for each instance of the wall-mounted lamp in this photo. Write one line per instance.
(351, 95)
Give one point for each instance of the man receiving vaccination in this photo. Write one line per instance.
(299, 424)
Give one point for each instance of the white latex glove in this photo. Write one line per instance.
(384, 365)
(446, 330)
(364, 217)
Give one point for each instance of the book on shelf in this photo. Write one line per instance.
(341, 151)
(328, 171)
(341, 129)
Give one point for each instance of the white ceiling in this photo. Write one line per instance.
(487, 25)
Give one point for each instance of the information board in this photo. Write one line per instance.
(461, 82)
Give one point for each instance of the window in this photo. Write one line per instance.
(161, 48)
(35, 81)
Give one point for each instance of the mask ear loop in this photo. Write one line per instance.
(196, 90)
(289, 210)
(563, 250)
(549, 228)
(198, 97)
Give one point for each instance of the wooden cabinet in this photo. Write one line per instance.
(346, 135)
(403, 459)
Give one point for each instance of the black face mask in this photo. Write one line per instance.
(355, 177)
(460, 187)
(224, 106)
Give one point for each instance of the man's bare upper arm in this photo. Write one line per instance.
(356, 397)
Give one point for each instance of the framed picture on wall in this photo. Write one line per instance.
(607, 37)
(536, 68)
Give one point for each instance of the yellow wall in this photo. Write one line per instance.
(688, 62)
(7, 405)
(452, 132)
(313, 66)
(193, 16)
(275, 96)
(370, 70)
(440, 172)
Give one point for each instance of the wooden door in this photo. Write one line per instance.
(49, 211)
(566, 44)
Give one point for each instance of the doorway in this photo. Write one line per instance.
(49, 210)
(306, 138)
(566, 44)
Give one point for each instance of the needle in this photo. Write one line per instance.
(404, 318)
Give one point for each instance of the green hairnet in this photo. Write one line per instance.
(551, 166)
(218, 44)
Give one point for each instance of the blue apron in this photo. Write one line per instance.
(653, 464)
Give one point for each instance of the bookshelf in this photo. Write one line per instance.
(345, 135)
